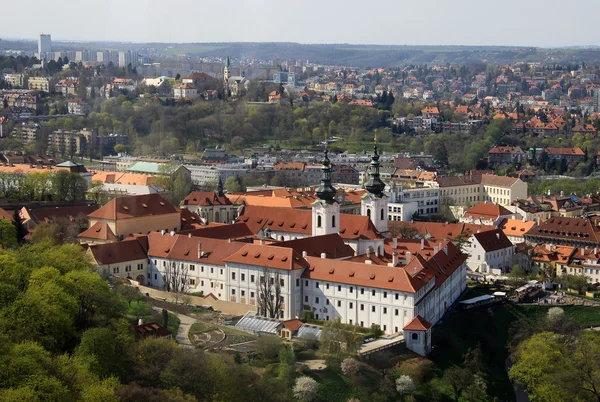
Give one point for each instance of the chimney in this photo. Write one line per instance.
(262, 242)
(394, 243)
(422, 244)
(595, 250)
(377, 252)
(199, 249)
(408, 256)
(582, 251)
(394, 258)
(190, 235)
(140, 321)
(323, 255)
(368, 262)
(498, 235)
(513, 217)
(523, 219)
(548, 247)
(172, 233)
(304, 254)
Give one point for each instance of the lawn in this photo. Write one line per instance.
(490, 327)
(138, 309)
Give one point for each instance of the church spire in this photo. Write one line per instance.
(326, 192)
(220, 191)
(375, 185)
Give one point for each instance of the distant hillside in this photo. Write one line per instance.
(343, 54)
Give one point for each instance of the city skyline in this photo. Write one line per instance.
(466, 23)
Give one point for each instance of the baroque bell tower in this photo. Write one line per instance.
(325, 210)
(374, 203)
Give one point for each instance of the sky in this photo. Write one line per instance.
(542, 23)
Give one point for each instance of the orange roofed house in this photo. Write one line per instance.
(135, 214)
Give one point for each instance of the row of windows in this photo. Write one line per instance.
(351, 290)
(128, 268)
(351, 306)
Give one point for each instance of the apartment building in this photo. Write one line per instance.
(472, 189)
(45, 84)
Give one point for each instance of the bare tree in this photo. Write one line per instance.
(176, 277)
(269, 300)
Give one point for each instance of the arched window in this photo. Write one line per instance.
(381, 213)
(333, 221)
(415, 336)
(217, 216)
(369, 212)
(319, 221)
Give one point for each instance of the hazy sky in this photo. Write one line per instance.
(433, 22)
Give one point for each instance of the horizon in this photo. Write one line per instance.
(460, 23)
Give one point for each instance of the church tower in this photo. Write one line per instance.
(374, 203)
(325, 210)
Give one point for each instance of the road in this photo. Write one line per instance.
(183, 333)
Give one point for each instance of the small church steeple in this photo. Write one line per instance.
(375, 185)
(220, 190)
(325, 191)
(325, 210)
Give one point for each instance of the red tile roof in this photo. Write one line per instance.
(99, 231)
(205, 198)
(268, 256)
(332, 245)
(113, 253)
(486, 210)
(493, 240)
(134, 206)
(223, 232)
(418, 324)
(293, 325)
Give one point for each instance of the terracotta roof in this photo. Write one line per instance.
(438, 230)
(487, 210)
(300, 221)
(516, 227)
(205, 198)
(134, 206)
(406, 279)
(493, 240)
(190, 221)
(136, 179)
(506, 150)
(332, 245)
(235, 231)
(99, 231)
(6, 215)
(293, 325)
(49, 214)
(498, 181)
(565, 151)
(577, 229)
(268, 256)
(185, 248)
(418, 324)
(113, 253)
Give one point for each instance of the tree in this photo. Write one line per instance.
(419, 369)
(269, 300)
(459, 379)
(305, 389)
(129, 293)
(232, 185)
(8, 234)
(268, 346)
(338, 338)
(349, 367)
(21, 231)
(405, 385)
(287, 361)
(177, 77)
(175, 277)
(68, 186)
(173, 179)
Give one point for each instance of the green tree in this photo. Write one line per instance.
(68, 186)
(232, 185)
(8, 234)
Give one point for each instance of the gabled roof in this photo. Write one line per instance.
(134, 206)
(99, 231)
(332, 245)
(516, 227)
(486, 210)
(577, 229)
(493, 240)
(268, 256)
(185, 248)
(190, 221)
(50, 214)
(113, 253)
(352, 227)
(418, 324)
(408, 279)
(235, 231)
(205, 198)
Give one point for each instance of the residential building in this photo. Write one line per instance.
(471, 189)
(563, 231)
(128, 57)
(506, 155)
(490, 252)
(569, 154)
(66, 87)
(486, 213)
(140, 214)
(127, 259)
(44, 84)
(185, 91)
(14, 80)
(44, 46)
(515, 229)
(78, 107)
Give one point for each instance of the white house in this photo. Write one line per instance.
(490, 252)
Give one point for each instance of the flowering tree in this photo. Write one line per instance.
(405, 385)
(349, 367)
(305, 389)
